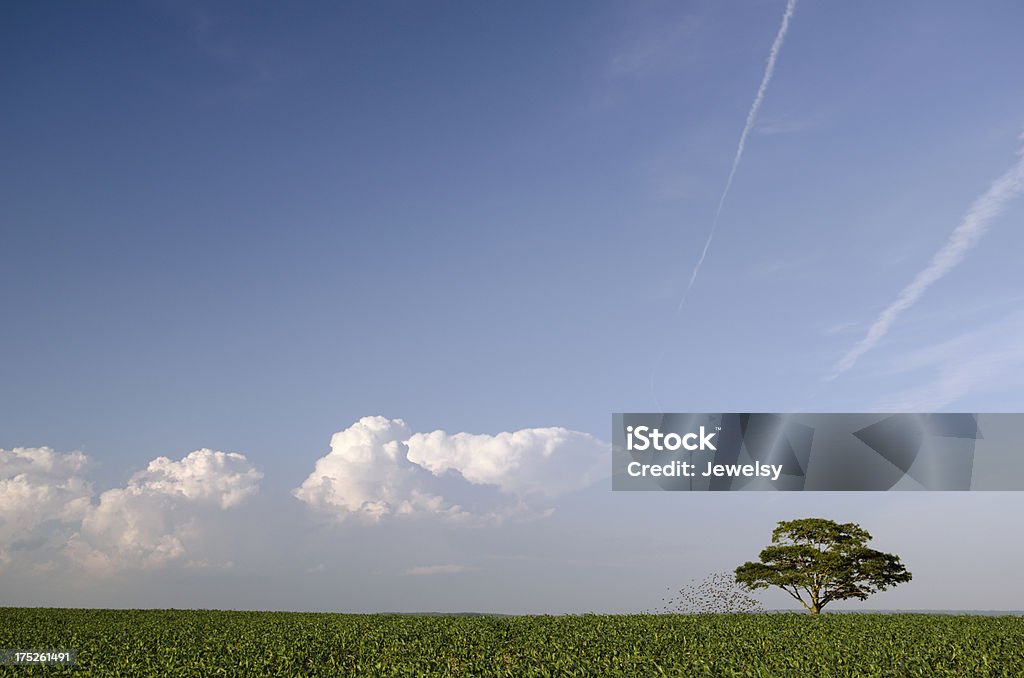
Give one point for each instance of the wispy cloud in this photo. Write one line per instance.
(966, 235)
(769, 71)
(423, 570)
(655, 48)
(974, 363)
(844, 327)
(774, 268)
(243, 66)
(789, 124)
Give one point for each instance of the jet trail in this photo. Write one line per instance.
(965, 236)
(769, 70)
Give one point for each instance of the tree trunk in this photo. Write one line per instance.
(815, 609)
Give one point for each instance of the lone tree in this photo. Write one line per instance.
(823, 561)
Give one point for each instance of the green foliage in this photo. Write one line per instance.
(205, 643)
(818, 561)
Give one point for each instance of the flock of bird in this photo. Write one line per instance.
(718, 593)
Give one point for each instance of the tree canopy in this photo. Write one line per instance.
(818, 561)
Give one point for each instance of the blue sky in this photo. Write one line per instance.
(245, 227)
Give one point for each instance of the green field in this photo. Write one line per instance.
(212, 643)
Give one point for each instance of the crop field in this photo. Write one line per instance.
(212, 643)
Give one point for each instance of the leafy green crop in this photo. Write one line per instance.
(210, 643)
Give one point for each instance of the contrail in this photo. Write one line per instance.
(965, 236)
(769, 70)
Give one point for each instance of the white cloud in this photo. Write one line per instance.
(534, 461)
(46, 507)
(39, 487)
(378, 468)
(367, 474)
(223, 478)
(154, 519)
(421, 570)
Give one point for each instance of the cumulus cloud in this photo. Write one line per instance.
(152, 520)
(41, 493)
(221, 478)
(162, 515)
(378, 468)
(367, 474)
(533, 461)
